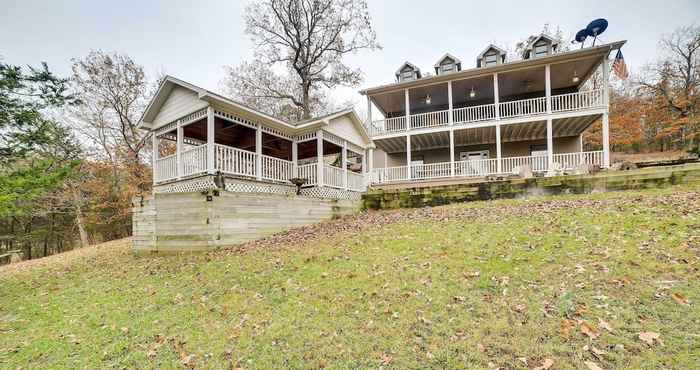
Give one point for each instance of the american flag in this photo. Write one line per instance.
(619, 66)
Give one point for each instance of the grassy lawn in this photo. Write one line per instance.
(566, 281)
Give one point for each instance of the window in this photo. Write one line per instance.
(407, 75)
(447, 67)
(541, 49)
(538, 150)
(490, 59)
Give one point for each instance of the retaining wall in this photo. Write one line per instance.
(188, 222)
(517, 188)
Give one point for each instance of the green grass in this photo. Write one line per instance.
(479, 285)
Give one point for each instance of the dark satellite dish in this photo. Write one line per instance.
(596, 27)
(580, 37)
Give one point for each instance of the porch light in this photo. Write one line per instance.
(472, 93)
(427, 99)
(575, 79)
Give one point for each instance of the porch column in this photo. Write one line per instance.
(497, 114)
(452, 151)
(606, 102)
(369, 113)
(210, 140)
(550, 145)
(155, 144)
(258, 152)
(295, 160)
(319, 157)
(370, 162)
(450, 119)
(178, 150)
(408, 110)
(548, 87)
(344, 163)
(408, 156)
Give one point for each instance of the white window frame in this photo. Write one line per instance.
(447, 67)
(537, 50)
(464, 156)
(489, 61)
(407, 75)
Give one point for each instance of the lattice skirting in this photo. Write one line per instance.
(205, 183)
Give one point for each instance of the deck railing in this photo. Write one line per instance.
(476, 167)
(165, 168)
(570, 161)
(308, 172)
(234, 161)
(276, 169)
(356, 181)
(430, 119)
(194, 160)
(333, 176)
(581, 100)
(430, 171)
(537, 163)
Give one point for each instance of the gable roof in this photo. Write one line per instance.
(447, 55)
(491, 46)
(409, 64)
(533, 40)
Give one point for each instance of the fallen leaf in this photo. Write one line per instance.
(188, 361)
(386, 359)
(589, 330)
(152, 354)
(548, 362)
(592, 365)
(481, 347)
(565, 328)
(520, 307)
(604, 324)
(680, 299)
(649, 337)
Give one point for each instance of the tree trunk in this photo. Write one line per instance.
(306, 100)
(84, 242)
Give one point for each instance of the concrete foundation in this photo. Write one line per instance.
(202, 221)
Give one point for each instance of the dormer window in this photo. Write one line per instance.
(447, 64)
(541, 49)
(490, 59)
(446, 68)
(540, 46)
(407, 75)
(491, 56)
(407, 72)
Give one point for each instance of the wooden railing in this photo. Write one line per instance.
(474, 114)
(308, 172)
(356, 181)
(389, 174)
(430, 171)
(332, 176)
(383, 126)
(165, 168)
(276, 169)
(578, 100)
(476, 167)
(430, 119)
(570, 161)
(194, 160)
(537, 163)
(234, 161)
(520, 108)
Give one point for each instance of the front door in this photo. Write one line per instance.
(473, 162)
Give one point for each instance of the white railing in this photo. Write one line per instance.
(474, 114)
(332, 176)
(383, 126)
(389, 174)
(476, 167)
(578, 101)
(536, 163)
(276, 169)
(165, 168)
(356, 181)
(526, 107)
(308, 172)
(234, 161)
(194, 160)
(430, 119)
(569, 161)
(430, 171)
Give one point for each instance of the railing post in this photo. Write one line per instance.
(450, 118)
(178, 150)
(452, 152)
(210, 140)
(295, 161)
(408, 156)
(319, 156)
(550, 145)
(408, 110)
(344, 162)
(155, 144)
(548, 87)
(496, 101)
(258, 152)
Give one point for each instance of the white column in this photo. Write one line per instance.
(452, 151)
(155, 144)
(606, 102)
(178, 150)
(408, 110)
(548, 87)
(408, 156)
(370, 160)
(496, 102)
(344, 163)
(258, 152)
(499, 167)
(295, 159)
(369, 111)
(450, 119)
(550, 145)
(319, 155)
(210, 140)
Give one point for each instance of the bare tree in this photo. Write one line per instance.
(307, 39)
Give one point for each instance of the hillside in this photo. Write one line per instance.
(606, 280)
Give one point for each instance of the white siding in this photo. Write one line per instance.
(344, 128)
(180, 102)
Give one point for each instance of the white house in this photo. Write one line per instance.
(492, 119)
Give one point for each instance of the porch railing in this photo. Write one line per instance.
(332, 176)
(581, 100)
(570, 161)
(356, 181)
(537, 163)
(165, 168)
(430, 119)
(430, 171)
(476, 167)
(276, 169)
(308, 172)
(194, 160)
(234, 161)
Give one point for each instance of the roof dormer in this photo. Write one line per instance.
(407, 72)
(491, 56)
(447, 64)
(540, 46)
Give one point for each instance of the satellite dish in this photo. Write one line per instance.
(596, 27)
(580, 37)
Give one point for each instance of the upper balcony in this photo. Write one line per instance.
(557, 85)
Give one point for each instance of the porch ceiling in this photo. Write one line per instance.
(536, 130)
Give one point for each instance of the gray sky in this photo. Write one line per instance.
(192, 40)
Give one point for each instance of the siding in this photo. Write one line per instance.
(180, 102)
(344, 128)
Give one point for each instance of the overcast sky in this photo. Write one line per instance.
(192, 40)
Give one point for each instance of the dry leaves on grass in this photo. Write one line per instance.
(680, 299)
(589, 330)
(649, 337)
(546, 364)
(592, 365)
(604, 324)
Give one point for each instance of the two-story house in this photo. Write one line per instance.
(492, 119)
